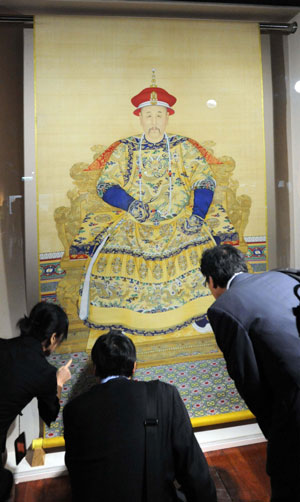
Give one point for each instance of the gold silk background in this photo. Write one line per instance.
(88, 68)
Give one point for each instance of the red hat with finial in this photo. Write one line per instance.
(153, 95)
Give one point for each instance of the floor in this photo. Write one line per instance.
(239, 475)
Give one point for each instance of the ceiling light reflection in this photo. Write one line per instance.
(211, 103)
(297, 86)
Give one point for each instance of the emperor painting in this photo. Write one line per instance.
(143, 249)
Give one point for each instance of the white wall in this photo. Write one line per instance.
(293, 65)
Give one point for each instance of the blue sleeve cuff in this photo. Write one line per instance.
(117, 197)
(202, 200)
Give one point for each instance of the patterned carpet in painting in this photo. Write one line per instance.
(205, 387)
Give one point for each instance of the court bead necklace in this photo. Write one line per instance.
(169, 169)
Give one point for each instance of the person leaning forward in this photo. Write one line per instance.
(25, 372)
(105, 435)
(255, 328)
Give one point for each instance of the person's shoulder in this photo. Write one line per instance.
(190, 145)
(284, 273)
(130, 141)
(182, 139)
(121, 145)
(162, 387)
(10, 341)
(155, 383)
(247, 280)
(5, 345)
(81, 401)
(176, 139)
(187, 145)
(4, 342)
(243, 285)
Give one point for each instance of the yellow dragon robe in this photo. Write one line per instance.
(146, 279)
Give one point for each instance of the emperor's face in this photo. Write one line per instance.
(154, 119)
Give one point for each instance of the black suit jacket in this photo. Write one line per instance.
(256, 330)
(105, 445)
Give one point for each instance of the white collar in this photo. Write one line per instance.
(231, 279)
(106, 379)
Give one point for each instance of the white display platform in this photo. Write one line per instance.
(210, 440)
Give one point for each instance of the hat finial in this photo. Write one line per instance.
(153, 80)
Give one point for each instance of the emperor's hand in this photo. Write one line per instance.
(139, 210)
(193, 224)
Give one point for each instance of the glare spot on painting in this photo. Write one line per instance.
(211, 103)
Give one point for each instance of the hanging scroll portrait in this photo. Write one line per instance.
(140, 170)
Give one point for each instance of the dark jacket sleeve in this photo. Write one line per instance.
(73, 438)
(48, 402)
(191, 468)
(68, 433)
(235, 343)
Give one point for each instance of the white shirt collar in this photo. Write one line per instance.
(231, 279)
(106, 379)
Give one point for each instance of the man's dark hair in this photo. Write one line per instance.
(113, 354)
(221, 262)
(44, 320)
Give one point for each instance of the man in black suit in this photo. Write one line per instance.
(104, 428)
(253, 321)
